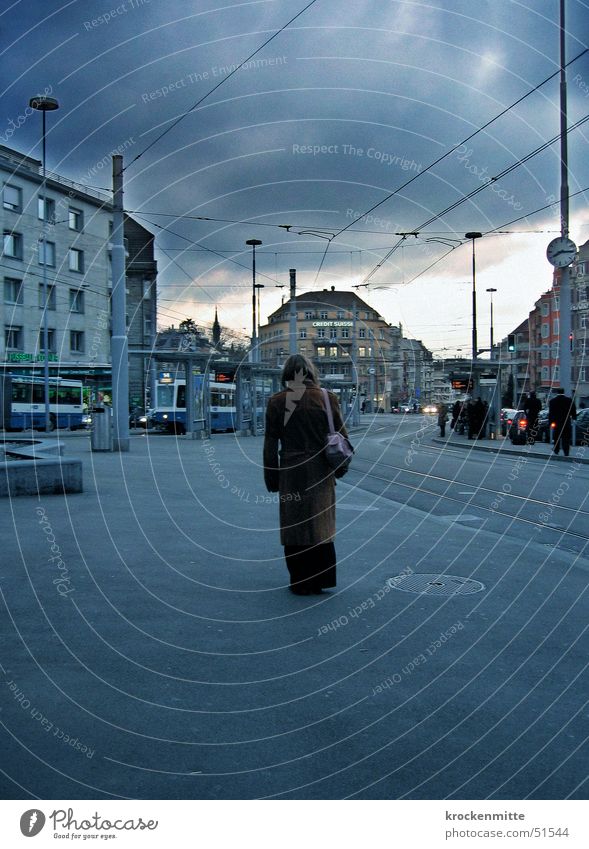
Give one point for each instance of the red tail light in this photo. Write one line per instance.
(522, 424)
(552, 424)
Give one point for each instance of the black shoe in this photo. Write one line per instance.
(300, 590)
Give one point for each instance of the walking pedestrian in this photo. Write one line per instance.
(296, 419)
(442, 418)
(532, 408)
(561, 410)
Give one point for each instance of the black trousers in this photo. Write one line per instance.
(311, 567)
(563, 440)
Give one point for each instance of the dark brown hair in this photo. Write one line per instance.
(296, 364)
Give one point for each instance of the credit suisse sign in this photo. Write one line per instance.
(333, 324)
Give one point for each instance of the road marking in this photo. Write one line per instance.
(465, 518)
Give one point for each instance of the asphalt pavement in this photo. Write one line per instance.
(151, 648)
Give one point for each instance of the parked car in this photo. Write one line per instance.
(507, 414)
(518, 429)
(582, 431)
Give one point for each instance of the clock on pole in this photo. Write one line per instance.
(561, 252)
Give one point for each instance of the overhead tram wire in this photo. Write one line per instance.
(497, 232)
(442, 157)
(219, 84)
(210, 250)
(472, 194)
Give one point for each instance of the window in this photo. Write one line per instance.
(77, 341)
(75, 219)
(51, 346)
(340, 314)
(12, 198)
(321, 333)
(76, 300)
(362, 334)
(13, 338)
(545, 308)
(545, 351)
(345, 333)
(361, 351)
(76, 260)
(46, 209)
(13, 290)
(323, 314)
(584, 322)
(321, 351)
(50, 297)
(333, 332)
(13, 245)
(555, 326)
(333, 351)
(302, 349)
(308, 314)
(545, 331)
(544, 372)
(381, 335)
(47, 253)
(147, 328)
(302, 334)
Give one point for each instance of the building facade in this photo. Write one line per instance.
(61, 237)
(141, 281)
(345, 338)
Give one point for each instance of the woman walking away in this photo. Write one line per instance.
(296, 418)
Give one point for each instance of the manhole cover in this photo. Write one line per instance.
(428, 584)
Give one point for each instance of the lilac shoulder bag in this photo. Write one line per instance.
(338, 448)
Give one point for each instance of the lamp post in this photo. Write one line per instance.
(254, 244)
(490, 291)
(474, 236)
(45, 104)
(258, 286)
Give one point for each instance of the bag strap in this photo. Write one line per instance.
(327, 406)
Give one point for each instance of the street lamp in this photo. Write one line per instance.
(474, 236)
(254, 243)
(259, 286)
(44, 104)
(490, 291)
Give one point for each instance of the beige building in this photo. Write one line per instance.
(346, 339)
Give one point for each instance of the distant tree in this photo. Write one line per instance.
(188, 326)
(507, 399)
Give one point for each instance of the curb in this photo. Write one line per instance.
(513, 452)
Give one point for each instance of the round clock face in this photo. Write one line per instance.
(561, 252)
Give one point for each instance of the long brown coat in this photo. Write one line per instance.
(302, 477)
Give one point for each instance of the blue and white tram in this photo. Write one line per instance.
(169, 412)
(27, 402)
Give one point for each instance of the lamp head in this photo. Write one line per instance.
(43, 103)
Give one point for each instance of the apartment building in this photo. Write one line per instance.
(345, 338)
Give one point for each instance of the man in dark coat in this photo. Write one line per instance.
(561, 410)
(531, 408)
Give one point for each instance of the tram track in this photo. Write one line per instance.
(499, 497)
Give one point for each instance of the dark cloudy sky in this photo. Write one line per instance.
(341, 109)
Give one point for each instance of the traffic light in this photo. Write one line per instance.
(511, 342)
(571, 341)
